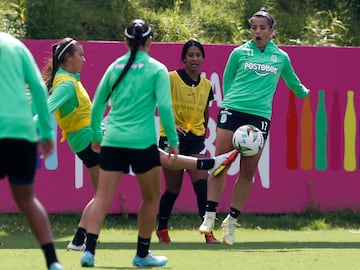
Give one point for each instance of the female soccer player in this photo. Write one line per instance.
(250, 79)
(18, 137)
(72, 106)
(191, 94)
(134, 84)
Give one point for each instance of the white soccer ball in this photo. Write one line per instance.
(248, 140)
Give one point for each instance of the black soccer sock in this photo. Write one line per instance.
(79, 237)
(234, 212)
(200, 188)
(211, 206)
(49, 252)
(91, 240)
(167, 202)
(205, 163)
(143, 245)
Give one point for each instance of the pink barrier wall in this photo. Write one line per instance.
(311, 160)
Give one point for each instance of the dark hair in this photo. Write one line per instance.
(189, 44)
(264, 13)
(137, 32)
(66, 46)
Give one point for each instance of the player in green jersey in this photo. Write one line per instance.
(135, 85)
(19, 141)
(250, 78)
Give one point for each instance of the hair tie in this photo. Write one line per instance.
(65, 48)
(143, 35)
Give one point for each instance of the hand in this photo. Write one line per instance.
(172, 154)
(181, 131)
(46, 148)
(95, 146)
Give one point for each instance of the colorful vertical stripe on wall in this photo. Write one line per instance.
(335, 131)
(350, 134)
(306, 135)
(292, 134)
(321, 133)
(51, 163)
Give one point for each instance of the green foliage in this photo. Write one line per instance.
(156, 4)
(319, 224)
(307, 22)
(192, 19)
(83, 19)
(216, 22)
(13, 17)
(349, 13)
(324, 29)
(167, 26)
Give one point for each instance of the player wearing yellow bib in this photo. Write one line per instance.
(191, 94)
(71, 105)
(250, 78)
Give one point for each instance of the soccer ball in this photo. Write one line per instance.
(248, 140)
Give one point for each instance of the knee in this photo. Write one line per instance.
(151, 197)
(200, 186)
(248, 173)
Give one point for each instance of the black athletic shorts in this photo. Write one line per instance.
(120, 159)
(88, 157)
(189, 144)
(18, 160)
(230, 119)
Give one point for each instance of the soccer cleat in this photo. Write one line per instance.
(87, 259)
(223, 161)
(163, 236)
(228, 225)
(71, 246)
(210, 239)
(150, 261)
(56, 266)
(208, 224)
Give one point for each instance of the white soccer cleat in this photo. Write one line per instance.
(208, 224)
(71, 246)
(228, 225)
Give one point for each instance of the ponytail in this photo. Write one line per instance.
(137, 33)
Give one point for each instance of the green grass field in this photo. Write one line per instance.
(266, 242)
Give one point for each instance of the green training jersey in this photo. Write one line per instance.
(131, 120)
(19, 73)
(251, 76)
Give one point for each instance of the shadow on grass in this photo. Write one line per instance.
(237, 246)
(127, 268)
(242, 246)
(13, 227)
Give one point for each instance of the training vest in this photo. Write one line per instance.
(189, 104)
(80, 117)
